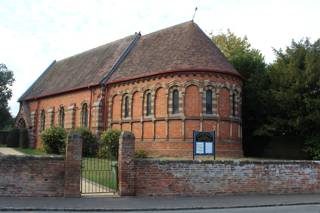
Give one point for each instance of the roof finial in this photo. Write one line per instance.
(194, 14)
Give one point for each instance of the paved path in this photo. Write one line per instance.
(89, 187)
(155, 203)
(9, 151)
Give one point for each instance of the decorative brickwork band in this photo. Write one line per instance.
(126, 164)
(73, 166)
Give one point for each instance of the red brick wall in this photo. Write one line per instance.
(31, 176)
(209, 178)
(163, 134)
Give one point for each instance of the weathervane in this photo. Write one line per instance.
(194, 14)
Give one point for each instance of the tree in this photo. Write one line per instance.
(295, 90)
(6, 81)
(252, 67)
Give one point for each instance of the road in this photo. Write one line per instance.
(277, 209)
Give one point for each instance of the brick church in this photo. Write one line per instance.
(160, 86)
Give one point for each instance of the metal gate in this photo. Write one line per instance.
(99, 170)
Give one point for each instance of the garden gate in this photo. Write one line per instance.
(99, 170)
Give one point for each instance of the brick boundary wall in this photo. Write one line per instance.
(31, 176)
(126, 166)
(209, 178)
(43, 176)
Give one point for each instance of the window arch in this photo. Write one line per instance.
(84, 115)
(61, 117)
(175, 101)
(148, 104)
(209, 102)
(126, 107)
(42, 120)
(233, 101)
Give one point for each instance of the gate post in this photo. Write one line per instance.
(73, 166)
(126, 168)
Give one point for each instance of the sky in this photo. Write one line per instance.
(33, 33)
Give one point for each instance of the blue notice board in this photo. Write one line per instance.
(204, 143)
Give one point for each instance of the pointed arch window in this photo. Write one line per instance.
(84, 115)
(61, 117)
(42, 120)
(126, 107)
(233, 104)
(209, 101)
(148, 104)
(175, 101)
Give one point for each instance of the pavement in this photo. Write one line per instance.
(9, 151)
(153, 203)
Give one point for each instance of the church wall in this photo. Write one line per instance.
(71, 102)
(165, 134)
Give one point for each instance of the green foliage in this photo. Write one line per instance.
(89, 142)
(3, 136)
(23, 138)
(251, 65)
(109, 143)
(313, 147)
(140, 154)
(13, 138)
(6, 81)
(54, 140)
(294, 106)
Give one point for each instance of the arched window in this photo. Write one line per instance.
(84, 115)
(233, 104)
(42, 120)
(209, 101)
(61, 117)
(148, 103)
(126, 107)
(175, 101)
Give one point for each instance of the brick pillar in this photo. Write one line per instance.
(73, 166)
(126, 164)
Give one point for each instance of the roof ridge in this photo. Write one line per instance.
(30, 87)
(213, 45)
(120, 59)
(95, 48)
(168, 28)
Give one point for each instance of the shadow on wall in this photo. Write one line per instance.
(280, 147)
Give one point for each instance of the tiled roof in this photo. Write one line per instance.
(77, 71)
(178, 48)
(181, 47)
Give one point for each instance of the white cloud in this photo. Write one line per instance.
(35, 32)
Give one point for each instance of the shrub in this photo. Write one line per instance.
(90, 145)
(3, 136)
(23, 138)
(109, 144)
(140, 154)
(13, 138)
(313, 147)
(54, 140)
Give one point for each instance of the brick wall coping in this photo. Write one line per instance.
(229, 162)
(31, 157)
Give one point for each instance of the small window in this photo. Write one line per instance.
(84, 115)
(61, 117)
(42, 120)
(126, 107)
(209, 102)
(175, 101)
(233, 104)
(148, 104)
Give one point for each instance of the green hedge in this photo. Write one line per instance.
(3, 136)
(13, 138)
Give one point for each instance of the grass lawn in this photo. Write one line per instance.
(100, 171)
(30, 151)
